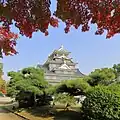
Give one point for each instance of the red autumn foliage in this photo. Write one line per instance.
(29, 15)
(3, 88)
(7, 41)
(3, 91)
(104, 13)
(35, 15)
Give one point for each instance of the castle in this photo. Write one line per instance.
(60, 67)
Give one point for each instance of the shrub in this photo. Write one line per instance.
(1, 95)
(64, 99)
(102, 103)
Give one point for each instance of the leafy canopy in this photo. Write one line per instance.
(73, 87)
(116, 67)
(64, 99)
(29, 79)
(101, 76)
(102, 103)
(105, 14)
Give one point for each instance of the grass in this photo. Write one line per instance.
(47, 113)
(58, 112)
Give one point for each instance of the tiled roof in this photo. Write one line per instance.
(79, 73)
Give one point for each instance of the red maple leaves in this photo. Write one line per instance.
(7, 41)
(35, 15)
(29, 15)
(104, 13)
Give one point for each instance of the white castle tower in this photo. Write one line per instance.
(60, 67)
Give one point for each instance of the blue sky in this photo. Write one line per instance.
(89, 50)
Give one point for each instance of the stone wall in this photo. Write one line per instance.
(53, 78)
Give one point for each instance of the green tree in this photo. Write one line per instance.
(116, 68)
(73, 87)
(101, 76)
(51, 89)
(64, 99)
(28, 80)
(102, 103)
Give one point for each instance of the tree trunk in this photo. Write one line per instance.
(34, 99)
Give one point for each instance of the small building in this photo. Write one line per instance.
(59, 66)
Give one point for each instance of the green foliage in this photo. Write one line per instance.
(101, 76)
(116, 68)
(27, 81)
(26, 99)
(64, 99)
(51, 90)
(73, 87)
(1, 95)
(11, 91)
(77, 83)
(102, 103)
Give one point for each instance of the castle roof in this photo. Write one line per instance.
(64, 57)
(64, 66)
(61, 50)
(60, 53)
